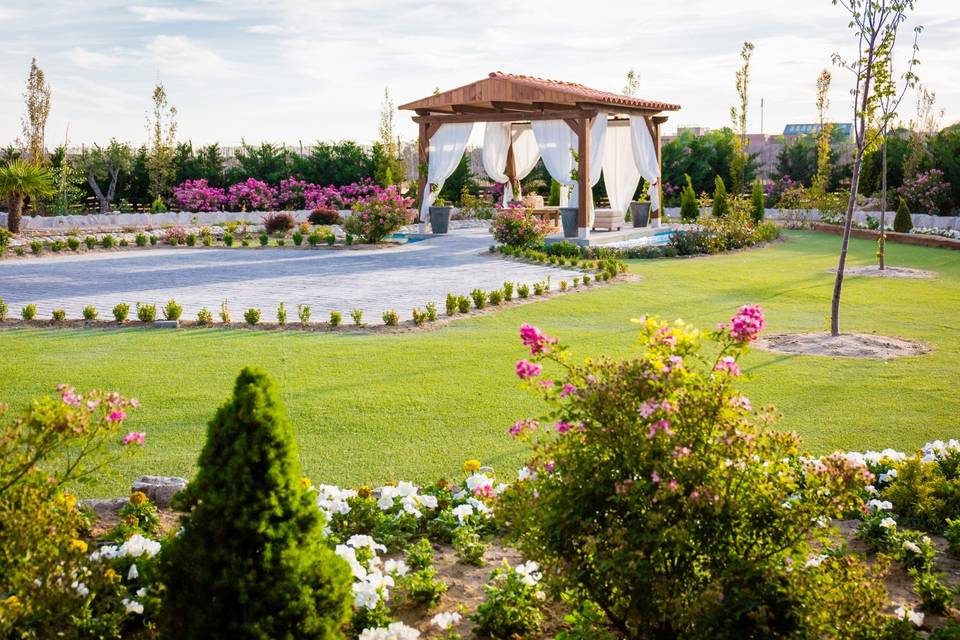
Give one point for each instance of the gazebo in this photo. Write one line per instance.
(577, 131)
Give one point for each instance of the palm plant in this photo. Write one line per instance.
(21, 179)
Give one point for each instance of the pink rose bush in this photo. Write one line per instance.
(197, 195)
(927, 192)
(251, 195)
(379, 214)
(292, 193)
(662, 496)
(516, 227)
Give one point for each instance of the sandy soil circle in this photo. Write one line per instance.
(846, 345)
(873, 271)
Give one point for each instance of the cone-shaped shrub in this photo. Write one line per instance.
(757, 204)
(689, 208)
(720, 205)
(902, 222)
(251, 560)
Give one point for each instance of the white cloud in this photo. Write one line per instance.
(264, 29)
(179, 55)
(173, 14)
(94, 60)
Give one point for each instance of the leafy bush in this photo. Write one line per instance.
(357, 316)
(153, 240)
(516, 227)
(390, 318)
(757, 206)
(251, 560)
(513, 607)
(468, 545)
(90, 312)
(264, 239)
(479, 297)
(721, 205)
(422, 585)
(314, 239)
(495, 297)
(3, 310)
(252, 316)
(507, 291)
(228, 239)
(336, 318)
(523, 291)
(72, 242)
(172, 310)
(57, 246)
(198, 195)
(192, 239)
(280, 222)
(138, 516)
(108, 242)
(925, 495)
(29, 312)
(539, 288)
(90, 241)
(297, 238)
(204, 317)
(419, 317)
(902, 222)
(59, 315)
(121, 312)
(5, 236)
(36, 247)
(657, 488)
(936, 596)
(927, 192)
(689, 208)
(224, 313)
(586, 279)
(175, 236)
(451, 304)
(463, 304)
(140, 240)
(146, 312)
(325, 217)
(431, 311)
(376, 216)
(563, 249)
(251, 195)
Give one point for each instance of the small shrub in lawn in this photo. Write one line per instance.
(224, 313)
(314, 239)
(124, 242)
(479, 298)
(281, 242)
(563, 285)
(348, 239)
(390, 318)
(507, 291)
(282, 314)
(468, 545)
(29, 312)
(297, 238)
(586, 279)
(207, 240)
(357, 316)
(146, 312)
(18, 251)
(325, 217)
(336, 318)
(419, 317)
(431, 309)
(495, 297)
(73, 243)
(172, 310)
(523, 291)
(604, 275)
(279, 222)
(902, 222)
(302, 589)
(108, 242)
(121, 312)
(228, 239)
(252, 316)
(154, 240)
(90, 312)
(90, 241)
(303, 312)
(264, 239)
(3, 310)
(539, 288)
(204, 317)
(244, 243)
(576, 281)
(36, 247)
(191, 239)
(59, 315)
(514, 603)
(330, 239)
(463, 304)
(936, 596)
(451, 304)
(421, 584)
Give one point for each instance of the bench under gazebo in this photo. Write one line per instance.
(578, 132)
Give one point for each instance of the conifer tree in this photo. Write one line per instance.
(720, 205)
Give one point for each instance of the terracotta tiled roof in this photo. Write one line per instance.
(585, 93)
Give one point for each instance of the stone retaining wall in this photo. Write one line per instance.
(917, 239)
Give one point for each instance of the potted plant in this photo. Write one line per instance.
(640, 208)
(568, 215)
(439, 213)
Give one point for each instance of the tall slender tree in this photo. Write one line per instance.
(925, 123)
(162, 127)
(738, 114)
(875, 25)
(822, 179)
(632, 88)
(37, 99)
(390, 168)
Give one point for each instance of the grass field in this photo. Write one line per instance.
(371, 408)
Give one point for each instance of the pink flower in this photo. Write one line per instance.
(533, 338)
(655, 478)
(672, 485)
(70, 397)
(563, 426)
(648, 408)
(483, 491)
(741, 402)
(748, 323)
(116, 416)
(520, 426)
(729, 365)
(134, 437)
(550, 466)
(658, 426)
(567, 390)
(681, 452)
(527, 369)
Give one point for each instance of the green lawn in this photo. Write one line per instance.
(372, 408)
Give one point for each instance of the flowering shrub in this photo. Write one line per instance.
(325, 217)
(198, 195)
(514, 604)
(251, 195)
(656, 491)
(175, 235)
(516, 227)
(377, 215)
(927, 192)
(292, 193)
(278, 222)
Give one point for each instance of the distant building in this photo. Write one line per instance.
(839, 128)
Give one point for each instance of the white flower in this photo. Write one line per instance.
(889, 476)
(133, 574)
(350, 555)
(526, 474)
(358, 541)
(478, 479)
(332, 499)
(395, 567)
(478, 505)
(880, 505)
(910, 546)
(445, 620)
(132, 606)
(395, 631)
(529, 573)
(81, 589)
(365, 595)
(904, 612)
(142, 591)
(872, 490)
(430, 502)
(463, 511)
(888, 523)
(138, 545)
(816, 561)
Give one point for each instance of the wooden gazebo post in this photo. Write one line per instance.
(657, 121)
(583, 175)
(423, 158)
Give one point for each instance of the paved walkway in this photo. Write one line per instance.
(374, 280)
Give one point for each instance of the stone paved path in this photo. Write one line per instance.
(374, 280)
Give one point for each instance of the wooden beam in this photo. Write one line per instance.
(656, 143)
(555, 106)
(504, 117)
(660, 119)
(574, 124)
(583, 169)
(618, 108)
(423, 158)
(514, 106)
(470, 108)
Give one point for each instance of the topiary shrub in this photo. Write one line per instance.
(325, 217)
(757, 204)
(278, 222)
(721, 207)
(689, 207)
(902, 222)
(251, 561)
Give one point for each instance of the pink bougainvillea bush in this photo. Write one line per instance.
(516, 227)
(927, 192)
(657, 491)
(292, 193)
(251, 195)
(379, 214)
(197, 195)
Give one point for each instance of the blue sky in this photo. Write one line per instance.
(302, 70)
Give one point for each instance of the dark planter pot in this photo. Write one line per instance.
(640, 213)
(568, 215)
(439, 219)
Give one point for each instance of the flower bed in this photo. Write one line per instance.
(920, 239)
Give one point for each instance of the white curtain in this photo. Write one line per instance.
(556, 142)
(645, 155)
(446, 149)
(598, 134)
(496, 145)
(526, 154)
(620, 173)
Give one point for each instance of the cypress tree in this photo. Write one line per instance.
(757, 209)
(902, 222)
(720, 205)
(251, 560)
(689, 208)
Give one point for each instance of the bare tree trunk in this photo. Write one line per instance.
(882, 243)
(104, 203)
(14, 212)
(114, 173)
(847, 224)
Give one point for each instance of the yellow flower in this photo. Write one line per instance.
(471, 466)
(70, 500)
(364, 492)
(305, 482)
(12, 603)
(130, 520)
(138, 498)
(111, 575)
(78, 545)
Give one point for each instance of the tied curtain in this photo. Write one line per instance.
(497, 139)
(557, 143)
(446, 149)
(620, 172)
(645, 157)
